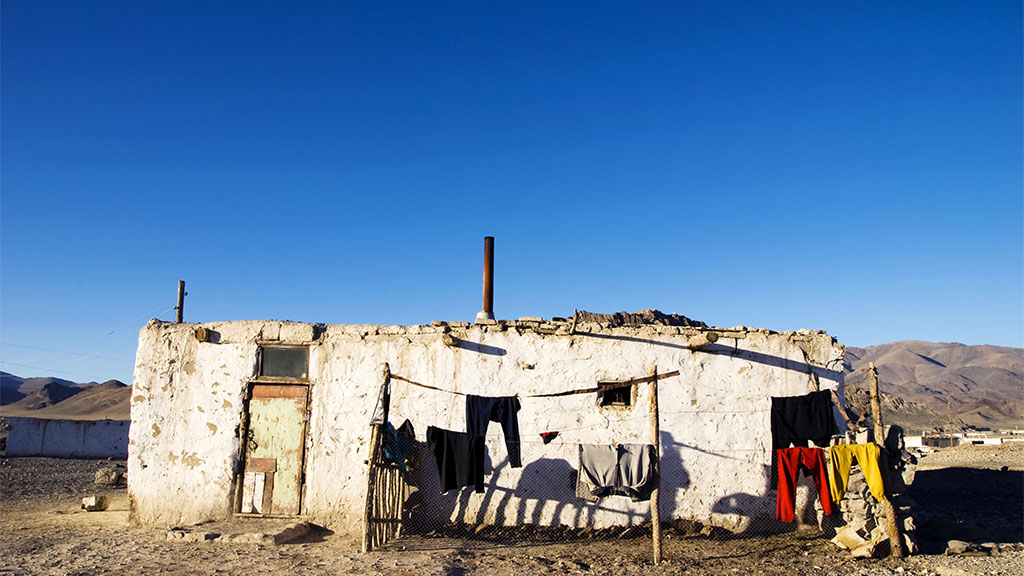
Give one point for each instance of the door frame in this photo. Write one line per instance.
(243, 446)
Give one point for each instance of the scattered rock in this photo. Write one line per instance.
(638, 319)
(108, 477)
(95, 503)
(293, 532)
(957, 547)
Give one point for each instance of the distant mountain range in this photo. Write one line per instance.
(984, 387)
(62, 399)
(923, 383)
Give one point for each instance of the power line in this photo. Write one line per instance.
(102, 348)
(62, 352)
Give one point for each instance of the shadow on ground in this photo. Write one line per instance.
(968, 504)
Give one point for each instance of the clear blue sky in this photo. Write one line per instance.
(848, 166)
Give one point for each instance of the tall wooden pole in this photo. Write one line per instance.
(891, 525)
(181, 302)
(656, 442)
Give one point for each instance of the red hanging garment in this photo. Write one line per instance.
(791, 461)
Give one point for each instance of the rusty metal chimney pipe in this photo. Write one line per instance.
(488, 306)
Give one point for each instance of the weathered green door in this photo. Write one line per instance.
(274, 449)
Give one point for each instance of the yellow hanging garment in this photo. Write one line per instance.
(841, 458)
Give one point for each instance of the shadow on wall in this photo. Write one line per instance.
(544, 496)
(734, 352)
(759, 511)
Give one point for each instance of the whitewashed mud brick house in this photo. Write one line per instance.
(273, 417)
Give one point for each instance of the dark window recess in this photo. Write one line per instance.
(616, 396)
(284, 363)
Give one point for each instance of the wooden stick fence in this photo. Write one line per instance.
(385, 487)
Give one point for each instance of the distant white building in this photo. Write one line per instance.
(67, 438)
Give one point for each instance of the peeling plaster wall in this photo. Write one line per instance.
(715, 432)
(67, 438)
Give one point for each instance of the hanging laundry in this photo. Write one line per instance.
(795, 420)
(482, 410)
(624, 469)
(867, 456)
(398, 444)
(460, 458)
(547, 437)
(791, 461)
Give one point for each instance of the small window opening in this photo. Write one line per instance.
(619, 397)
(284, 362)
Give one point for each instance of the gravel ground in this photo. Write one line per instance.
(45, 532)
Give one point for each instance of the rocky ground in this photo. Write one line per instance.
(961, 492)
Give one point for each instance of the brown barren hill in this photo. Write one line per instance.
(983, 385)
(107, 401)
(50, 394)
(14, 388)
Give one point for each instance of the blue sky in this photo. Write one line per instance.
(848, 166)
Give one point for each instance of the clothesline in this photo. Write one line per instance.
(494, 435)
(600, 388)
(398, 417)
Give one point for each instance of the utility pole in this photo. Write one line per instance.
(949, 421)
(181, 302)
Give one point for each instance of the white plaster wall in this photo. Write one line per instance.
(67, 438)
(714, 416)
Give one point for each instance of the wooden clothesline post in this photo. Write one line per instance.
(385, 487)
(652, 372)
(891, 525)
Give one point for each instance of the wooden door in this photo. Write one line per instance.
(274, 449)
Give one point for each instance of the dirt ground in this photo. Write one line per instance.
(960, 491)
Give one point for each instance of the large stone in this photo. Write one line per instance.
(95, 503)
(861, 524)
(858, 507)
(910, 544)
(878, 534)
(866, 550)
(848, 538)
(957, 547)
